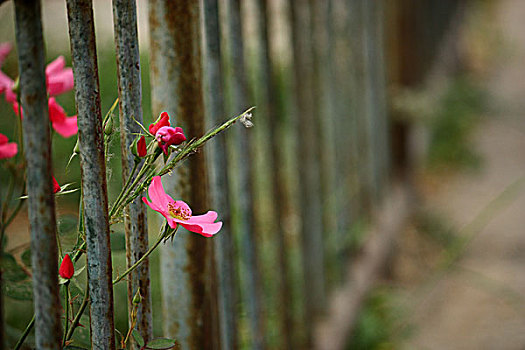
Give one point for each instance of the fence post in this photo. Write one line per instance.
(188, 284)
(309, 182)
(275, 133)
(130, 102)
(39, 186)
(224, 243)
(93, 172)
(244, 157)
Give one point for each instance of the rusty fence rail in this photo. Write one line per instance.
(289, 191)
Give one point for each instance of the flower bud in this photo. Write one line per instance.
(66, 269)
(138, 148)
(167, 136)
(137, 298)
(56, 186)
(108, 129)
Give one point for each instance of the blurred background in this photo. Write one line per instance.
(427, 94)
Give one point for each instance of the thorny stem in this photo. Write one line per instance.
(76, 320)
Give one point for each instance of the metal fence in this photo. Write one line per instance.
(292, 191)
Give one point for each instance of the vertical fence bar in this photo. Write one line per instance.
(245, 153)
(39, 186)
(130, 102)
(323, 49)
(267, 78)
(188, 276)
(224, 243)
(309, 182)
(93, 172)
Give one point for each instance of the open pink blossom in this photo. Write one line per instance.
(63, 125)
(163, 121)
(167, 136)
(7, 149)
(178, 212)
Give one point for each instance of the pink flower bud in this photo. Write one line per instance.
(167, 136)
(66, 269)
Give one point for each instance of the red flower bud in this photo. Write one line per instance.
(164, 120)
(66, 269)
(56, 186)
(141, 147)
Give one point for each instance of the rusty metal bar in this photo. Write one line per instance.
(130, 102)
(309, 181)
(41, 203)
(276, 123)
(220, 188)
(188, 286)
(251, 282)
(93, 172)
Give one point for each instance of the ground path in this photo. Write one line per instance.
(480, 302)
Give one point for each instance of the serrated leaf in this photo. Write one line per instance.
(138, 338)
(118, 242)
(11, 271)
(19, 290)
(161, 343)
(26, 257)
(67, 224)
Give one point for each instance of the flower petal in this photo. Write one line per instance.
(61, 82)
(206, 230)
(5, 48)
(56, 66)
(66, 128)
(209, 217)
(157, 194)
(8, 150)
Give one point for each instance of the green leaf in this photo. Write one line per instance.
(67, 224)
(19, 290)
(11, 271)
(26, 257)
(138, 338)
(161, 343)
(118, 242)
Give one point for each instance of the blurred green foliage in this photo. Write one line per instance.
(451, 124)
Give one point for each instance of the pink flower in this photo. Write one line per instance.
(63, 125)
(164, 120)
(7, 149)
(66, 270)
(6, 83)
(167, 136)
(178, 212)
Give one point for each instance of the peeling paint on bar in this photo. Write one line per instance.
(188, 287)
(130, 98)
(93, 172)
(31, 62)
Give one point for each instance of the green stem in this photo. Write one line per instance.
(25, 334)
(66, 318)
(141, 260)
(76, 320)
(128, 181)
